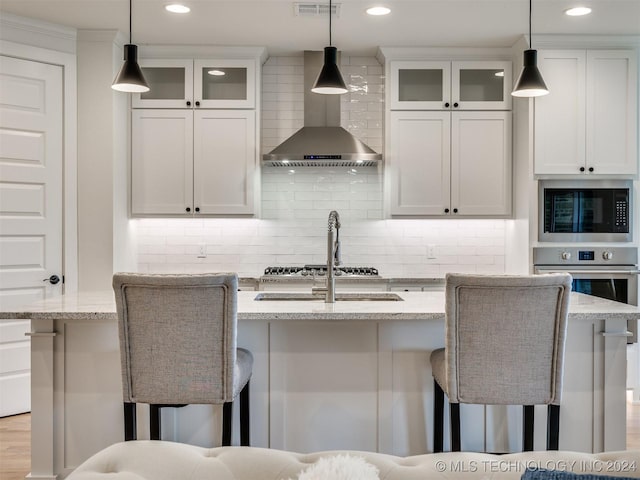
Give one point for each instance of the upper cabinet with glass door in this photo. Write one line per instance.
(464, 85)
(170, 82)
(220, 83)
(224, 83)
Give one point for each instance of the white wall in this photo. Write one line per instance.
(104, 242)
(296, 203)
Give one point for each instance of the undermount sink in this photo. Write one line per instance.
(340, 297)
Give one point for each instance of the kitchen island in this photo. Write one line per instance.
(349, 375)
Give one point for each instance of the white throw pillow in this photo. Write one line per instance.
(340, 467)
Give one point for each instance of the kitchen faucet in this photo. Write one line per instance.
(333, 255)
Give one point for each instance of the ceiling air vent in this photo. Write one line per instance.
(315, 9)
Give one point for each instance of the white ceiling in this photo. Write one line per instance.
(272, 23)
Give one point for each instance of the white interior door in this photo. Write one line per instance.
(31, 133)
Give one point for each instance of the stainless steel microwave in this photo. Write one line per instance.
(585, 211)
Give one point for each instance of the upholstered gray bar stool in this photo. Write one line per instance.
(504, 345)
(178, 347)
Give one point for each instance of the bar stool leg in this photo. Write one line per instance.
(438, 417)
(130, 430)
(227, 419)
(454, 411)
(528, 412)
(154, 422)
(245, 432)
(553, 427)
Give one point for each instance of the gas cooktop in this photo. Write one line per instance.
(320, 270)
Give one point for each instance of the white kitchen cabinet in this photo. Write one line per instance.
(186, 83)
(456, 163)
(224, 159)
(187, 162)
(445, 85)
(588, 122)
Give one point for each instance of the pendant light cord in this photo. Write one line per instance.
(530, 11)
(130, 15)
(330, 44)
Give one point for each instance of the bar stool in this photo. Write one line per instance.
(504, 345)
(178, 347)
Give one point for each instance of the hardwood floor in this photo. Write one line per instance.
(633, 424)
(15, 439)
(15, 447)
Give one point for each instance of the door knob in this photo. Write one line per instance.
(53, 279)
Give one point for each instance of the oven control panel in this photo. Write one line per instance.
(572, 255)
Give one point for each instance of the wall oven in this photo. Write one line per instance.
(585, 211)
(607, 272)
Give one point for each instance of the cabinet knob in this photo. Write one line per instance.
(197, 209)
(188, 209)
(446, 210)
(591, 169)
(197, 103)
(455, 210)
(455, 105)
(446, 104)
(582, 169)
(188, 103)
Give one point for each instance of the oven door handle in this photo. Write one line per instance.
(590, 272)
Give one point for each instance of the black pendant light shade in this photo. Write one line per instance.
(130, 77)
(330, 79)
(530, 82)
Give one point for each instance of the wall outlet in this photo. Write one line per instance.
(431, 251)
(203, 251)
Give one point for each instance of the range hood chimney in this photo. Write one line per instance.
(322, 142)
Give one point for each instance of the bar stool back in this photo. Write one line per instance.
(504, 345)
(178, 346)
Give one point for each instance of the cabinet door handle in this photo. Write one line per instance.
(455, 105)
(591, 169)
(582, 169)
(188, 103)
(446, 210)
(446, 104)
(188, 209)
(197, 103)
(455, 210)
(197, 209)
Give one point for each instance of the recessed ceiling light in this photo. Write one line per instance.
(379, 10)
(216, 73)
(177, 8)
(578, 11)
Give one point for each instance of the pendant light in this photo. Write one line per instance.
(130, 77)
(530, 82)
(330, 79)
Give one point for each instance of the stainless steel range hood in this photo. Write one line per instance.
(322, 141)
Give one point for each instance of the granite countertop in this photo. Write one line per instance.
(415, 306)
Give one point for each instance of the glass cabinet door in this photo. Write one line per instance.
(224, 83)
(170, 83)
(420, 85)
(481, 85)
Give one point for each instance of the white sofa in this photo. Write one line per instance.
(159, 460)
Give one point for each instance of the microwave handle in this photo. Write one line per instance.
(590, 272)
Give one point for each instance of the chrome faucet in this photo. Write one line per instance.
(333, 255)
